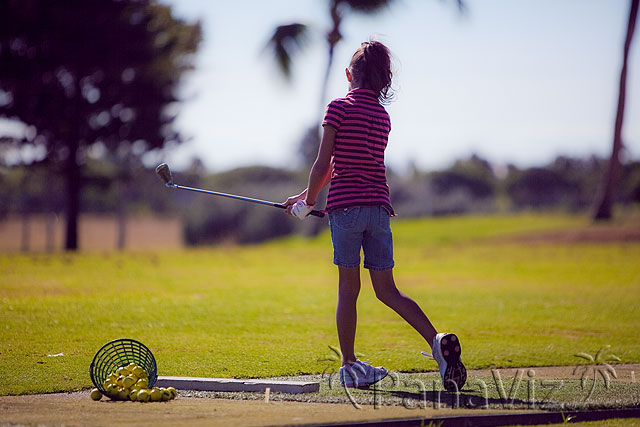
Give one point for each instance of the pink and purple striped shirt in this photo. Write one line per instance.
(359, 175)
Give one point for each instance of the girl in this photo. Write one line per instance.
(351, 159)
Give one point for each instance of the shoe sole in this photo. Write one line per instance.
(455, 375)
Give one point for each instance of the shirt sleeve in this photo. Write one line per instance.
(334, 115)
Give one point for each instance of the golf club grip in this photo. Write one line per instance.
(319, 214)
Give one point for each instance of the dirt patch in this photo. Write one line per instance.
(79, 409)
(593, 234)
(96, 233)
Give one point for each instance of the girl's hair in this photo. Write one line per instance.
(371, 69)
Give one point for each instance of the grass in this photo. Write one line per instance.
(268, 310)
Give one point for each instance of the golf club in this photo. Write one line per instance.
(165, 175)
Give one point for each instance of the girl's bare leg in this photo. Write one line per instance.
(388, 293)
(346, 316)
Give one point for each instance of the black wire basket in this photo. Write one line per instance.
(119, 353)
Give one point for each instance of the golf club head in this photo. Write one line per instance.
(164, 173)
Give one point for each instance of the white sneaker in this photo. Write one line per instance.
(361, 374)
(446, 352)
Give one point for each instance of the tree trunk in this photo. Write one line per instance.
(50, 237)
(121, 238)
(72, 181)
(25, 239)
(606, 196)
(325, 81)
(50, 206)
(333, 37)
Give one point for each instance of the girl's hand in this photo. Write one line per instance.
(301, 209)
(293, 200)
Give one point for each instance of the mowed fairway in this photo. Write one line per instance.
(268, 310)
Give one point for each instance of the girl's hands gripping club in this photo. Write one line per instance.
(297, 206)
(301, 209)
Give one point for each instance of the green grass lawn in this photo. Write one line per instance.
(268, 310)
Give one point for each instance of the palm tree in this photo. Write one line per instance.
(289, 38)
(605, 198)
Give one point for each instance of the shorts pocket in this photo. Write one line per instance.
(346, 218)
(385, 217)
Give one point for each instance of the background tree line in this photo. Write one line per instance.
(94, 88)
(469, 186)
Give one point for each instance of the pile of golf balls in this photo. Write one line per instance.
(131, 382)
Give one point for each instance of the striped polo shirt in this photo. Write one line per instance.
(358, 177)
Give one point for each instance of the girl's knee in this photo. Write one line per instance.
(387, 295)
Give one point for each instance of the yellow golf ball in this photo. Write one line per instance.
(138, 371)
(95, 394)
(143, 396)
(173, 392)
(128, 381)
(156, 394)
(143, 383)
(123, 394)
(112, 390)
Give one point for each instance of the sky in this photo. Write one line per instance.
(514, 81)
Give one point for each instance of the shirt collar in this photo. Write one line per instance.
(363, 92)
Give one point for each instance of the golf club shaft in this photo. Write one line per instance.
(233, 196)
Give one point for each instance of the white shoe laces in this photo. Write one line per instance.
(427, 355)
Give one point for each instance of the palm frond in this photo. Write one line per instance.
(285, 42)
(585, 356)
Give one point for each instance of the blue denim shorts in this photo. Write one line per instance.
(365, 227)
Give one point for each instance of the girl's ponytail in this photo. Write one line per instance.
(371, 68)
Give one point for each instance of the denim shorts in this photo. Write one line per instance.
(365, 227)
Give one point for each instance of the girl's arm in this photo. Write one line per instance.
(320, 174)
